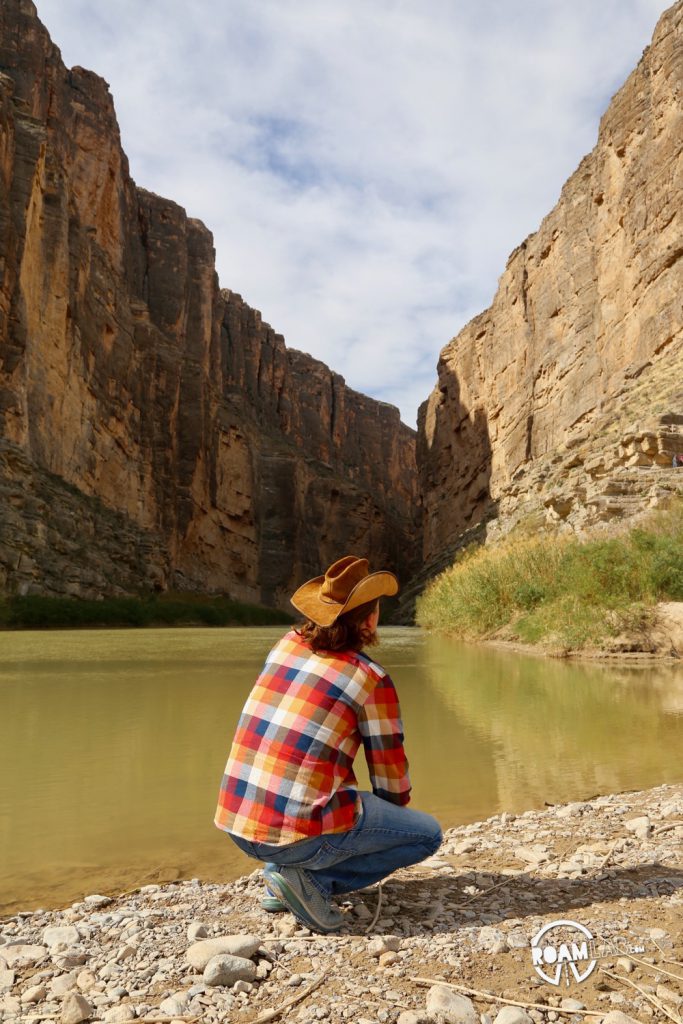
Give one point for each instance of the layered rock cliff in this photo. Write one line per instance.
(561, 402)
(155, 431)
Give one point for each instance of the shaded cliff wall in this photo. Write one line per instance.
(132, 385)
(587, 313)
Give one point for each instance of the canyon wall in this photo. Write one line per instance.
(561, 403)
(155, 432)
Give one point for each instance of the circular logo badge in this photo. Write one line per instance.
(562, 946)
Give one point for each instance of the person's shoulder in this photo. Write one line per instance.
(369, 666)
(289, 644)
(344, 663)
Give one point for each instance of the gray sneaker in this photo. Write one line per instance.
(303, 899)
(272, 903)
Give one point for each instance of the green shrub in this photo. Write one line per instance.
(36, 612)
(557, 589)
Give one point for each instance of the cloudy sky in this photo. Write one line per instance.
(366, 166)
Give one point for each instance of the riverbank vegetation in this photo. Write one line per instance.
(558, 590)
(36, 612)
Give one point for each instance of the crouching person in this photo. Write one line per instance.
(289, 795)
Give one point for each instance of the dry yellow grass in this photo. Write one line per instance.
(557, 589)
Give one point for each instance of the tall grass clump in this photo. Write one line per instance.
(557, 589)
(487, 586)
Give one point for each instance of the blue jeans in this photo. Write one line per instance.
(386, 837)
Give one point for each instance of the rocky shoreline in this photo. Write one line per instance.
(196, 951)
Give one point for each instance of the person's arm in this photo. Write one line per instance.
(379, 721)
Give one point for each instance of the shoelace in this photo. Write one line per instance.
(377, 908)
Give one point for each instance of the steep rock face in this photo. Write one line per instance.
(127, 374)
(588, 312)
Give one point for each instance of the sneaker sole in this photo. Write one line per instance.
(273, 905)
(270, 902)
(279, 885)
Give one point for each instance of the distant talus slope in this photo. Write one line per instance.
(140, 399)
(579, 356)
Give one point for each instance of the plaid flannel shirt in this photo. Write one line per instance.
(290, 775)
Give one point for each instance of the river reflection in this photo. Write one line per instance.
(113, 742)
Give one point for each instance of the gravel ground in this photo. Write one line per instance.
(467, 916)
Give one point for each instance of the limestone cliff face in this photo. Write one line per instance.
(133, 387)
(582, 339)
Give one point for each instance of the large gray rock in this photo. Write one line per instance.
(85, 980)
(75, 1009)
(512, 1015)
(465, 846)
(572, 1004)
(174, 1006)
(34, 994)
(96, 900)
(11, 1005)
(449, 1007)
(618, 1017)
(199, 954)
(63, 983)
(226, 969)
(517, 939)
(384, 944)
(119, 1014)
(493, 940)
(22, 954)
(641, 827)
(68, 934)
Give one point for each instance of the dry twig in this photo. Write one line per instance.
(499, 999)
(167, 1020)
(667, 828)
(650, 998)
(276, 961)
(601, 865)
(485, 892)
(559, 857)
(675, 963)
(308, 938)
(656, 968)
(268, 1015)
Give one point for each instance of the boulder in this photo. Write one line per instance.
(22, 954)
(449, 1007)
(199, 954)
(68, 934)
(384, 944)
(196, 930)
(75, 1009)
(641, 826)
(512, 1015)
(119, 1014)
(618, 1017)
(225, 969)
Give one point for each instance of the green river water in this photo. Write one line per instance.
(113, 743)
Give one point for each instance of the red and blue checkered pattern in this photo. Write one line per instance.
(290, 774)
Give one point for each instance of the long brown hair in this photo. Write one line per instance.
(348, 632)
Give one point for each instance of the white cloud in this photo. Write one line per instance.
(365, 166)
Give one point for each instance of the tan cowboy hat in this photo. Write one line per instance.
(345, 585)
